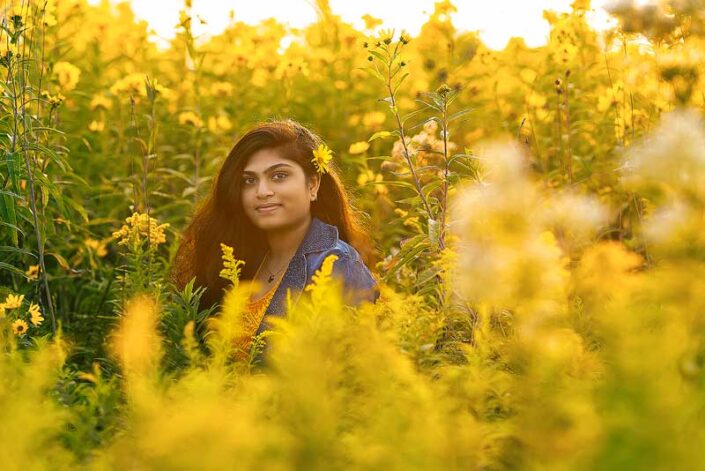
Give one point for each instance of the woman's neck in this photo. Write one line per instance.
(283, 244)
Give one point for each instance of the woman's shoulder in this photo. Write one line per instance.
(358, 282)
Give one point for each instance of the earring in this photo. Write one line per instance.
(314, 197)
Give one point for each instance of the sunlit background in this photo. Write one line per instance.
(497, 20)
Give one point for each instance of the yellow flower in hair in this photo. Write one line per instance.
(321, 157)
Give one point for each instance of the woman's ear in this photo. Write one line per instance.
(314, 183)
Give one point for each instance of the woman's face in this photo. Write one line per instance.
(275, 193)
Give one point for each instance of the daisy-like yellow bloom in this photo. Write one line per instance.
(321, 158)
(359, 147)
(99, 101)
(67, 75)
(13, 301)
(32, 272)
(19, 327)
(190, 118)
(2, 311)
(96, 126)
(36, 314)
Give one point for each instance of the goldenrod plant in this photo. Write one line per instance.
(537, 213)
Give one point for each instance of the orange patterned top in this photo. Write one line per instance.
(252, 317)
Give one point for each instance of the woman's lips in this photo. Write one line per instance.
(268, 208)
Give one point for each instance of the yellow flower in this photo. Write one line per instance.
(96, 126)
(219, 123)
(359, 147)
(13, 301)
(99, 101)
(97, 246)
(231, 270)
(321, 280)
(132, 84)
(321, 157)
(221, 89)
(138, 226)
(373, 119)
(370, 21)
(190, 118)
(19, 327)
(36, 314)
(367, 176)
(32, 272)
(54, 100)
(2, 311)
(67, 75)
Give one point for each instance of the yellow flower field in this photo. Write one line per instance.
(538, 218)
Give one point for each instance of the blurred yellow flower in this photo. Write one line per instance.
(100, 101)
(190, 118)
(32, 272)
(370, 21)
(13, 301)
(321, 279)
(374, 119)
(321, 158)
(359, 147)
(368, 176)
(219, 123)
(96, 126)
(19, 327)
(36, 314)
(97, 246)
(222, 89)
(132, 84)
(67, 75)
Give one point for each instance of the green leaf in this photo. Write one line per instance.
(62, 261)
(7, 248)
(383, 135)
(413, 251)
(459, 114)
(374, 72)
(12, 268)
(9, 216)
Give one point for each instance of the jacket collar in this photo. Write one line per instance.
(320, 236)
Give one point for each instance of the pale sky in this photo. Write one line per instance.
(497, 20)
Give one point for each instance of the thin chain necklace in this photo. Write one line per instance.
(273, 275)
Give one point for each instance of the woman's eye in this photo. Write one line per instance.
(279, 176)
(248, 180)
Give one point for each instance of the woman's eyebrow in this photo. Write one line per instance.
(268, 169)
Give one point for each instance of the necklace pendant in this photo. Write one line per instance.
(271, 278)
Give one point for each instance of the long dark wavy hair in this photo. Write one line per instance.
(221, 217)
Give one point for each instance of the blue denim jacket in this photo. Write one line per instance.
(320, 241)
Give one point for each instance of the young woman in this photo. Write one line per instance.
(283, 214)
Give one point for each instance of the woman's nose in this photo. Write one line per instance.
(263, 189)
